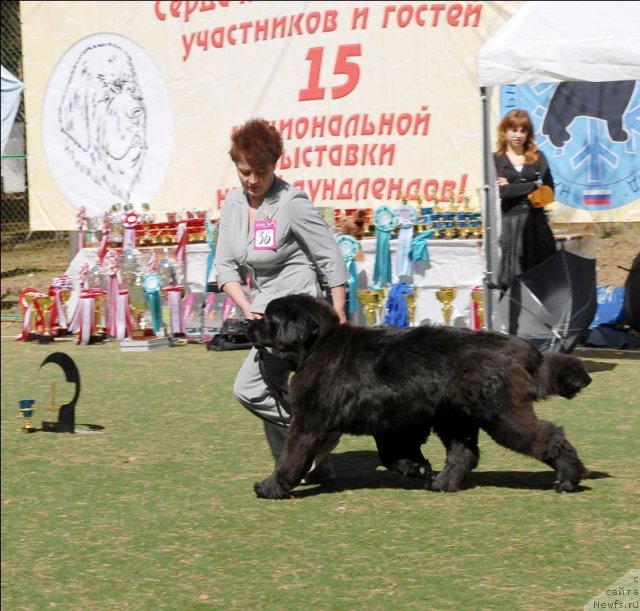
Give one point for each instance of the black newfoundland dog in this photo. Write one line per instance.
(398, 384)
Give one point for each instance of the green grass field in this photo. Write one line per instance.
(158, 511)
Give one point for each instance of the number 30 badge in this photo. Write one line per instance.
(264, 237)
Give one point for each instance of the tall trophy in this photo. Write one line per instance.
(44, 302)
(139, 306)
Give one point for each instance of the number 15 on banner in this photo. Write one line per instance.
(343, 66)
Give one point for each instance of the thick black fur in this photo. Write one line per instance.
(399, 384)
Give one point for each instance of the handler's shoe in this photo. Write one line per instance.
(324, 472)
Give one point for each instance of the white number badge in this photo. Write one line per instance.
(264, 237)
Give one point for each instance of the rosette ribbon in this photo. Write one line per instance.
(174, 303)
(384, 220)
(211, 243)
(349, 248)
(407, 217)
(152, 283)
(397, 310)
(130, 221)
(124, 320)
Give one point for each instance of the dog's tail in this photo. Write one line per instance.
(561, 374)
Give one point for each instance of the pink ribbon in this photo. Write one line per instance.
(174, 303)
(124, 320)
(86, 317)
(83, 275)
(106, 230)
(182, 236)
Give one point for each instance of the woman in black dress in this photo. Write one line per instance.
(526, 238)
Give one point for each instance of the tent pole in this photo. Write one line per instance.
(489, 191)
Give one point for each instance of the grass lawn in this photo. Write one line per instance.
(158, 511)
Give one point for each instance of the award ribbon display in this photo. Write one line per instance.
(349, 248)
(384, 220)
(407, 216)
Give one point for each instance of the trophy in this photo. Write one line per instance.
(445, 296)
(138, 302)
(410, 298)
(64, 295)
(32, 315)
(45, 302)
(27, 409)
(371, 301)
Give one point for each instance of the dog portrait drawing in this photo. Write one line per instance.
(103, 119)
(400, 384)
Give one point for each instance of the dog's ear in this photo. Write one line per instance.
(297, 331)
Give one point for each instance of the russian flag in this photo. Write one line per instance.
(597, 197)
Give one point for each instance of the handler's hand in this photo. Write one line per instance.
(502, 181)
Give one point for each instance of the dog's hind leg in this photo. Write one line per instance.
(459, 434)
(399, 451)
(296, 459)
(522, 432)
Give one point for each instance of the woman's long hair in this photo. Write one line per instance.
(517, 118)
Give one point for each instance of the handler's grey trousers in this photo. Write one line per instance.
(253, 393)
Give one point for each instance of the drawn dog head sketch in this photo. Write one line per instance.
(103, 119)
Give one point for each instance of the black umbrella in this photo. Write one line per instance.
(554, 302)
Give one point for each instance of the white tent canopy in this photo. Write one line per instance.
(564, 41)
(546, 42)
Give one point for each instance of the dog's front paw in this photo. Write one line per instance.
(567, 486)
(269, 489)
(443, 484)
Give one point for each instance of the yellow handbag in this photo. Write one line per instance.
(541, 197)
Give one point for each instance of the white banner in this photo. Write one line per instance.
(135, 101)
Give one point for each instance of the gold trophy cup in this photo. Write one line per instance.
(445, 296)
(45, 302)
(371, 301)
(411, 306)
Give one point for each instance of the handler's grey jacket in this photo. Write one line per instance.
(305, 246)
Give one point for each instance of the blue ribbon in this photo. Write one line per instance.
(403, 254)
(153, 299)
(352, 286)
(397, 309)
(349, 248)
(382, 267)
(211, 242)
(419, 251)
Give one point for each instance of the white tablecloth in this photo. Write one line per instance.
(458, 263)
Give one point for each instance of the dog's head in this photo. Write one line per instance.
(292, 326)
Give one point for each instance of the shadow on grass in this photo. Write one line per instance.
(595, 366)
(362, 470)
